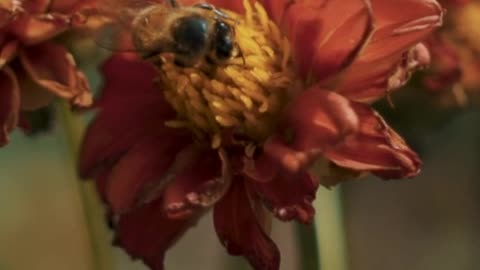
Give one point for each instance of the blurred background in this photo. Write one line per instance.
(430, 222)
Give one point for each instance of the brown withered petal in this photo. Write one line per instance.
(200, 183)
(376, 148)
(238, 229)
(9, 103)
(53, 67)
(147, 233)
(144, 165)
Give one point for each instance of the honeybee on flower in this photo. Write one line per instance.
(174, 139)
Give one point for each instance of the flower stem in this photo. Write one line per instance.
(330, 230)
(99, 239)
(307, 242)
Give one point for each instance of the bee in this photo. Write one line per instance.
(192, 34)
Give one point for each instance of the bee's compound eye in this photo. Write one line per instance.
(191, 35)
(223, 40)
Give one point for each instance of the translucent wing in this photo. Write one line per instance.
(112, 22)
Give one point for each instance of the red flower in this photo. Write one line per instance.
(455, 49)
(33, 68)
(158, 180)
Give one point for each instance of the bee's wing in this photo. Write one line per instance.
(114, 36)
(113, 22)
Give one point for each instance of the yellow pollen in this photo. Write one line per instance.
(246, 95)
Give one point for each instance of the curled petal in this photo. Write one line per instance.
(130, 95)
(290, 196)
(9, 104)
(34, 29)
(146, 233)
(144, 165)
(348, 133)
(326, 35)
(8, 51)
(8, 10)
(239, 231)
(201, 183)
(320, 119)
(375, 148)
(53, 68)
(400, 25)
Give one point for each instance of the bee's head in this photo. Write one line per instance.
(191, 37)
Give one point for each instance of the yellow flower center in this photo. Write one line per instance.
(246, 94)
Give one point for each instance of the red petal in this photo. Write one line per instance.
(147, 233)
(52, 67)
(239, 231)
(200, 183)
(445, 70)
(8, 51)
(9, 104)
(320, 119)
(34, 29)
(69, 6)
(326, 35)
(290, 196)
(375, 148)
(143, 165)
(131, 108)
(33, 95)
(8, 10)
(350, 134)
(400, 24)
(36, 6)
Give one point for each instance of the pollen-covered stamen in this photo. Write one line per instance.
(246, 94)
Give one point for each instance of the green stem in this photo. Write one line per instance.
(330, 230)
(322, 245)
(307, 243)
(99, 239)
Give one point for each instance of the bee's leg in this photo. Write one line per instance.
(240, 53)
(173, 3)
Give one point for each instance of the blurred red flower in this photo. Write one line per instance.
(158, 181)
(455, 52)
(33, 68)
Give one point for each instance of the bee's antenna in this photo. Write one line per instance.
(173, 3)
